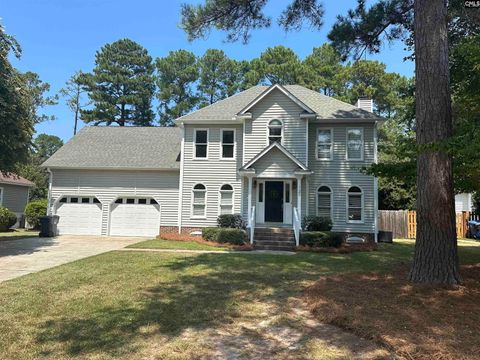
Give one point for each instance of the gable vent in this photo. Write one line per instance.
(365, 104)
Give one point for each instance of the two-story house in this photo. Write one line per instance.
(272, 154)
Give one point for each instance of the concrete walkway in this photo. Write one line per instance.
(25, 256)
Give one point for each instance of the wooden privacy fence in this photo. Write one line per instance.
(403, 223)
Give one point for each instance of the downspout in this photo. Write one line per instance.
(49, 203)
(180, 192)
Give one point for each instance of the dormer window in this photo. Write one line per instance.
(275, 131)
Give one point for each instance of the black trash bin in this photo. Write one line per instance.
(385, 237)
(48, 226)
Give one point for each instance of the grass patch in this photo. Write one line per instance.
(136, 305)
(414, 321)
(18, 234)
(175, 244)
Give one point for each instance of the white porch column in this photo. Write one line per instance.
(250, 185)
(299, 196)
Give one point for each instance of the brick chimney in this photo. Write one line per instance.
(365, 103)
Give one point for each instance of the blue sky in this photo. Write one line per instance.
(59, 37)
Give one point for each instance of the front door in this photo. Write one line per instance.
(274, 201)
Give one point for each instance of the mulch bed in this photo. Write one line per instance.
(344, 249)
(412, 321)
(200, 240)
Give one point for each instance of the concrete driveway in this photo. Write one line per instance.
(25, 256)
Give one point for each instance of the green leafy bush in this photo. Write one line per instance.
(35, 210)
(224, 235)
(321, 239)
(7, 219)
(231, 236)
(234, 221)
(210, 233)
(316, 223)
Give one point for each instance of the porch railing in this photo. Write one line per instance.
(296, 226)
(251, 224)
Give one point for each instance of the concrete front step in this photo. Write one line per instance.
(274, 239)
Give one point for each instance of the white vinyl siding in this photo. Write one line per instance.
(213, 173)
(108, 185)
(339, 175)
(355, 144)
(275, 105)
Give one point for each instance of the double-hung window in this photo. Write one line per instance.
(228, 144)
(355, 144)
(324, 144)
(275, 131)
(324, 202)
(355, 204)
(201, 143)
(226, 199)
(199, 201)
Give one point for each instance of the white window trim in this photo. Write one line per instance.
(331, 200)
(282, 136)
(234, 158)
(205, 205)
(363, 144)
(331, 143)
(195, 143)
(1, 196)
(363, 206)
(220, 198)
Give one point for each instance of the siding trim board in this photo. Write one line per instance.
(1, 196)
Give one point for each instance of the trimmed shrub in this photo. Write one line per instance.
(231, 236)
(233, 221)
(210, 233)
(321, 239)
(34, 211)
(7, 219)
(316, 223)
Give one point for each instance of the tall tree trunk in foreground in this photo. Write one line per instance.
(436, 259)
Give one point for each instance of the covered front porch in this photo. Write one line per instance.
(274, 181)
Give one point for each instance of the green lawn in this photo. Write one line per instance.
(175, 244)
(18, 234)
(136, 305)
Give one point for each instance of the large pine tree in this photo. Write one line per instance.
(121, 86)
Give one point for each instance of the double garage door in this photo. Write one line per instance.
(128, 216)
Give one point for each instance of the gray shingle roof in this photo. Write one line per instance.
(326, 107)
(106, 147)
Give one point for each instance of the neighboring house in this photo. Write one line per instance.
(14, 191)
(463, 202)
(273, 154)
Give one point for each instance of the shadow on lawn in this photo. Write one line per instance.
(208, 290)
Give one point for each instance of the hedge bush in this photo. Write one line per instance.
(321, 239)
(234, 221)
(210, 233)
(224, 235)
(7, 219)
(34, 211)
(316, 223)
(231, 236)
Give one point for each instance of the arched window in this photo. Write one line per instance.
(226, 199)
(355, 204)
(275, 131)
(324, 202)
(199, 201)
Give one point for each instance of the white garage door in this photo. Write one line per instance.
(135, 217)
(79, 216)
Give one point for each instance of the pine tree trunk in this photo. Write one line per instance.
(436, 259)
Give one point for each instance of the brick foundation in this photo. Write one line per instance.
(171, 233)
